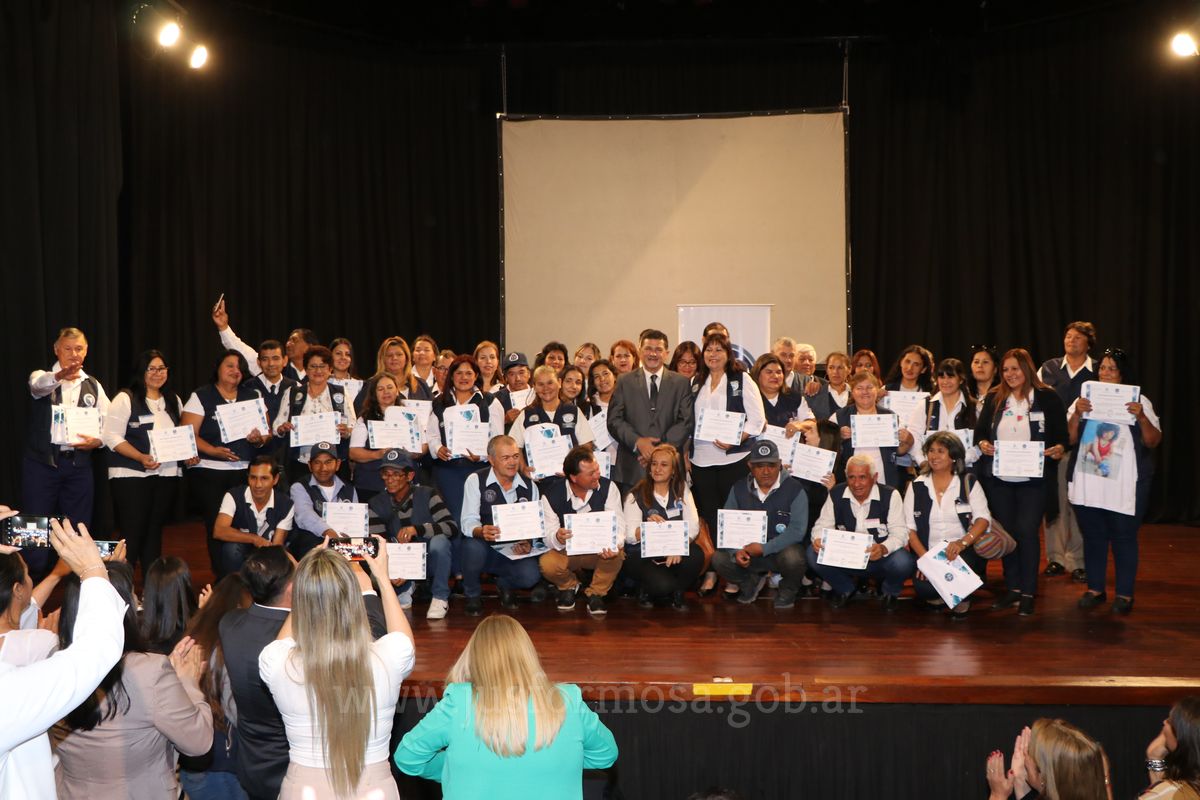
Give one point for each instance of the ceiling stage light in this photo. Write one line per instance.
(169, 34)
(199, 57)
(1184, 45)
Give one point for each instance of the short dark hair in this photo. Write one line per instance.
(652, 333)
(270, 344)
(267, 572)
(307, 335)
(1083, 327)
(575, 459)
(317, 351)
(270, 461)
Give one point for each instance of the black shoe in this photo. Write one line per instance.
(1026, 607)
(1122, 605)
(596, 606)
(645, 600)
(566, 599)
(677, 601)
(840, 600)
(890, 602)
(1092, 599)
(538, 593)
(474, 606)
(730, 596)
(1054, 568)
(508, 598)
(1007, 600)
(959, 612)
(1079, 575)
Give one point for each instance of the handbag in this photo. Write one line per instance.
(995, 542)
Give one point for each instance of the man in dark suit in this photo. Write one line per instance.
(262, 744)
(651, 405)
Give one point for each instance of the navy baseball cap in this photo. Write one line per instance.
(397, 459)
(322, 447)
(764, 452)
(515, 359)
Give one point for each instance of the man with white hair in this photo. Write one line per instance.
(860, 504)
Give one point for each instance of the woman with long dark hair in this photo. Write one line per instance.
(121, 741)
(380, 394)
(168, 603)
(952, 408)
(143, 490)
(1021, 409)
(985, 372)
(464, 399)
(1173, 757)
(222, 465)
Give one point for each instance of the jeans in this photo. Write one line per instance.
(1103, 529)
(438, 564)
(893, 569)
(788, 562)
(479, 557)
(211, 785)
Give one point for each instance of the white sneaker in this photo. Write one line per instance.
(437, 609)
(405, 597)
(775, 579)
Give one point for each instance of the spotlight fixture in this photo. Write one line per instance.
(160, 25)
(169, 34)
(199, 57)
(1184, 45)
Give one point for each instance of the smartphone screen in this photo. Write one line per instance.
(26, 531)
(106, 548)
(354, 548)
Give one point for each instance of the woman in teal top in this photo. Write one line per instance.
(502, 729)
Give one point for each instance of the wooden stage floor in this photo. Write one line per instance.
(1061, 655)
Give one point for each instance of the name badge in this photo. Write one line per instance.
(146, 419)
(962, 508)
(870, 524)
(674, 513)
(1037, 416)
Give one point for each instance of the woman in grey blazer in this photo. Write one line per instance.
(121, 742)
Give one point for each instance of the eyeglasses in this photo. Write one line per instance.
(156, 369)
(314, 366)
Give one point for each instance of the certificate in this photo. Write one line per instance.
(308, 429)
(954, 580)
(237, 420)
(536, 548)
(875, 430)
(846, 549)
(1019, 459)
(466, 438)
(1109, 401)
(591, 532)
(545, 449)
(965, 435)
(516, 521)
(812, 463)
(604, 462)
(521, 397)
(779, 436)
(406, 561)
(661, 539)
(173, 444)
(351, 386)
(719, 426)
(69, 424)
(904, 403)
(401, 433)
(736, 529)
(601, 438)
(348, 519)
(422, 408)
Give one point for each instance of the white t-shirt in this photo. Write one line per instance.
(392, 661)
(1106, 469)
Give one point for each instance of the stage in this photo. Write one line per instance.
(919, 689)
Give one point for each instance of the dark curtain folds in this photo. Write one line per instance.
(60, 179)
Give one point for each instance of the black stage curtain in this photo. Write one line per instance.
(1000, 185)
(60, 178)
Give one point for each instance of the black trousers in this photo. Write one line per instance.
(1019, 507)
(208, 488)
(710, 488)
(142, 507)
(657, 580)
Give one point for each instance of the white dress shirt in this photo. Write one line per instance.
(688, 514)
(708, 454)
(944, 523)
(897, 530)
(113, 433)
(580, 506)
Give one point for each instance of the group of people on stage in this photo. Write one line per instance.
(280, 681)
(639, 448)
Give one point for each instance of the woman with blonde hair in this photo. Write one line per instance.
(487, 356)
(1054, 760)
(502, 730)
(395, 359)
(336, 689)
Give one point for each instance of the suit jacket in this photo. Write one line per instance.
(132, 755)
(629, 418)
(262, 754)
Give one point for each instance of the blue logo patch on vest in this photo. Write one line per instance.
(89, 400)
(780, 527)
(735, 387)
(337, 397)
(490, 495)
(568, 418)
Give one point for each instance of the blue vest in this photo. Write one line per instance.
(446, 400)
(656, 509)
(489, 496)
(891, 475)
(272, 401)
(137, 434)
(344, 495)
(298, 396)
(1055, 375)
(733, 402)
(37, 440)
(557, 492)
(843, 515)
(933, 416)
(385, 509)
(778, 504)
(210, 432)
(923, 505)
(243, 513)
(786, 405)
(566, 417)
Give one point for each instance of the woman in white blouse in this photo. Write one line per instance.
(143, 490)
(335, 688)
(952, 408)
(946, 505)
(721, 385)
(662, 496)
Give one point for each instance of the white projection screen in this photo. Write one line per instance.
(609, 224)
